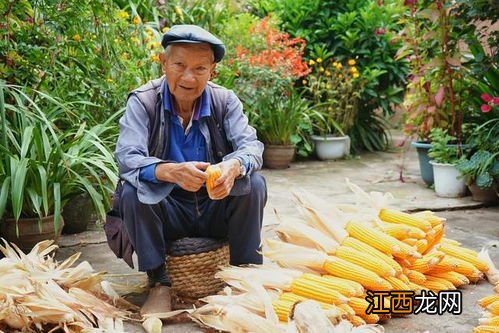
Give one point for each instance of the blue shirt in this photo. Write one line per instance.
(185, 146)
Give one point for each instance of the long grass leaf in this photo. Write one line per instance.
(4, 194)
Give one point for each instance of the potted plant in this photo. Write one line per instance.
(444, 158)
(438, 84)
(278, 120)
(42, 167)
(334, 89)
(480, 168)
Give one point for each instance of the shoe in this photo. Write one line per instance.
(158, 301)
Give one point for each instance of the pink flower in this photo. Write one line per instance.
(485, 108)
(380, 31)
(495, 100)
(410, 2)
(486, 97)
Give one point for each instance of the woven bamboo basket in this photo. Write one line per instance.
(192, 264)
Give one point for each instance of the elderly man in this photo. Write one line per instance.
(173, 129)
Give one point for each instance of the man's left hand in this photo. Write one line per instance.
(224, 183)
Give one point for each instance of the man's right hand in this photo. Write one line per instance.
(190, 176)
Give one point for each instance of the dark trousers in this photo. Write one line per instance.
(188, 214)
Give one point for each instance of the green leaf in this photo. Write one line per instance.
(4, 194)
(57, 206)
(484, 180)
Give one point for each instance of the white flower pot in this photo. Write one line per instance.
(447, 183)
(331, 147)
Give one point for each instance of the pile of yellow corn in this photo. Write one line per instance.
(489, 323)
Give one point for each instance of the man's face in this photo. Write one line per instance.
(188, 68)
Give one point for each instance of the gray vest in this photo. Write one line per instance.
(151, 97)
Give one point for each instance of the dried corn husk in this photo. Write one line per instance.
(492, 273)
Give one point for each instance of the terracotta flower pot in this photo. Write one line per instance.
(487, 195)
(278, 156)
(30, 231)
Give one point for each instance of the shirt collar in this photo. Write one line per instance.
(202, 109)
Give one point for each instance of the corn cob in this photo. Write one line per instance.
(365, 260)
(359, 290)
(360, 305)
(445, 265)
(357, 321)
(421, 245)
(397, 284)
(424, 264)
(403, 278)
(445, 282)
(469, 256)
(487, 300)
(347, 310)
(366, 248)
(282, 309)
(455, 278)
(213, 172)
(380, 240)
(430, 217)
(486, 329)
(292, 297)
(343, 288)
(493, 308)
(312, 290)
(416, 287)
(450, 242)
(434, 286)
(415, 276)
(395, 216)
(402, 231)
(410, 241)
(344, 269)
(434, 237)
(466, 268)
(492, 321)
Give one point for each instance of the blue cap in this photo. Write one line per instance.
(187, 33)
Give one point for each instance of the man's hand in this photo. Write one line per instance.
(224, 183)
(190, 176)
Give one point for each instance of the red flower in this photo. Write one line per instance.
(486, 98)
(410, 2)
(380, 31)
(495, 100)
(485, 108)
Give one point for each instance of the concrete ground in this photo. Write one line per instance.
(469, 222)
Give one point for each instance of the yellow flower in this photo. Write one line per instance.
(353, 69)
(330, 109)
(135, 40)
(327, 73)
(109, 80)
(339, 65)
(178, 10)
(351, 62)
(153, 45)
(319, 60)
(340, 76)
(165, 29)
(125, 56)
(355, 75)
(116, 40)
(77, 38)
(136, 20)
(321, 69)
(335, 64)
(155, 57)
(123, 14)
(328, 86)
(311, 62)
(304, 82)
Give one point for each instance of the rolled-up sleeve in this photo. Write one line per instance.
(132, 153)
(242, 136)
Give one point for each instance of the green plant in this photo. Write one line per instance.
(442, 151)
(365, 30)
(334, 88)
(482, 168)
(481, 165)
(42, 167)
(280, 117)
